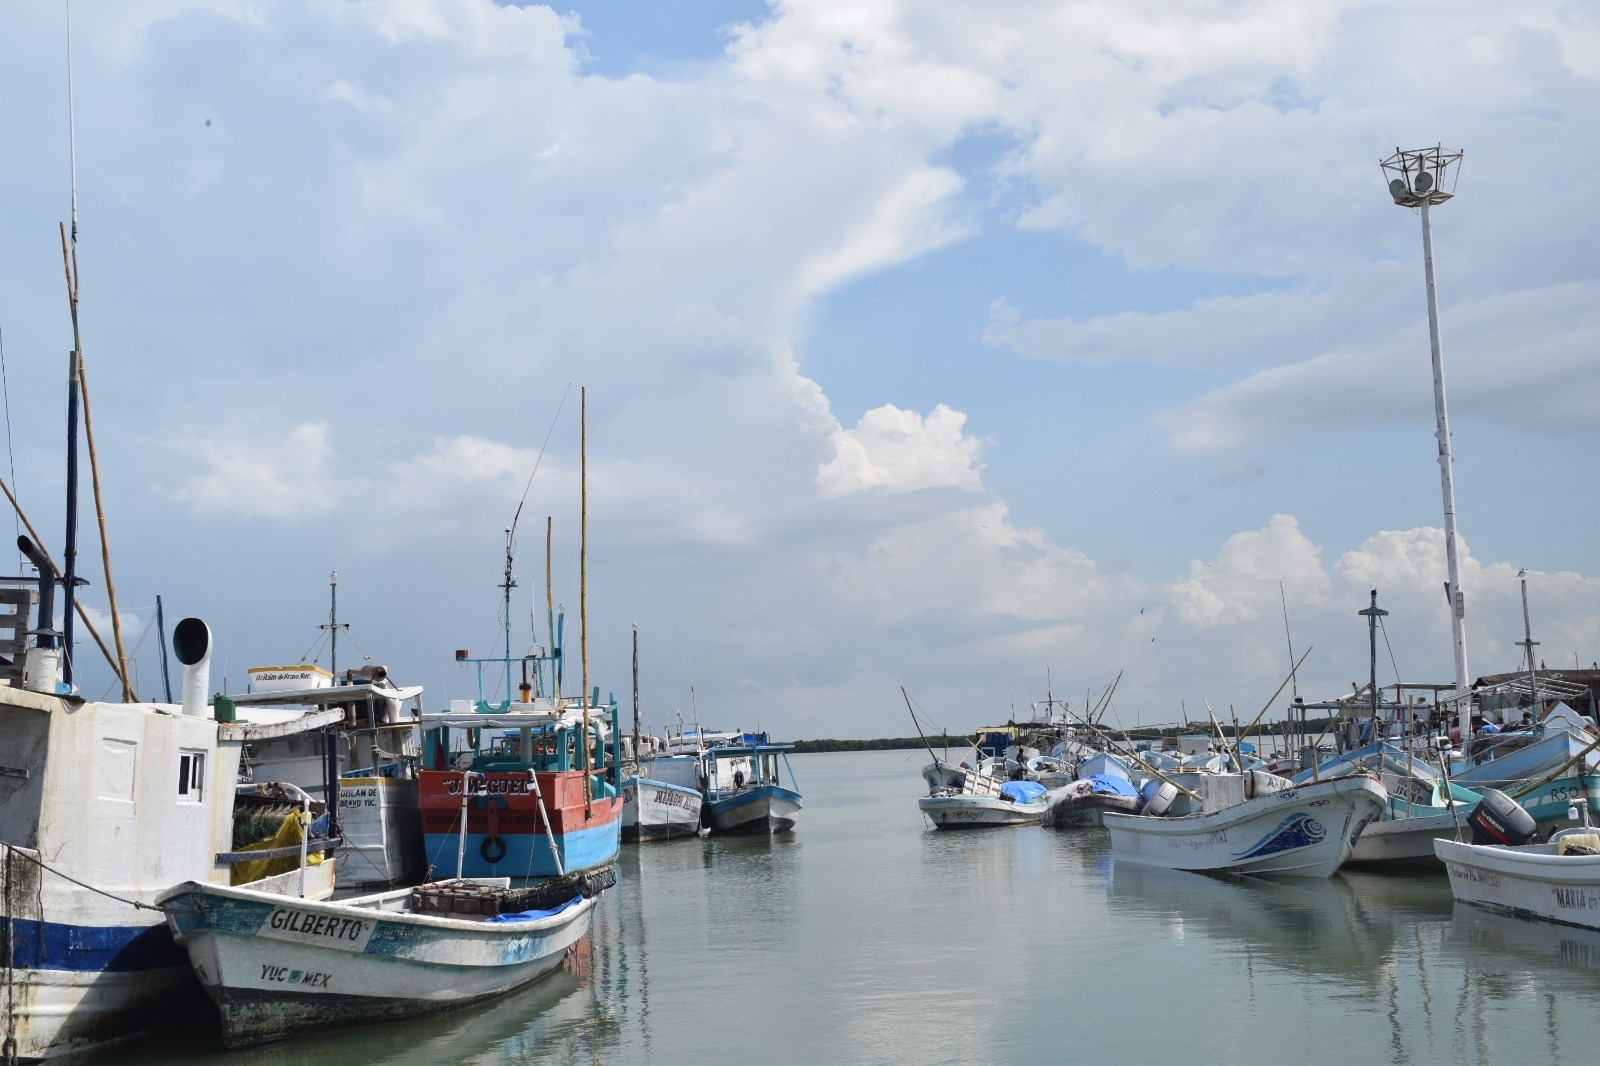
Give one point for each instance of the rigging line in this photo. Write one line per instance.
(132, 655)
(539, 459)
(11, 460)
(315, 649)
(1382, 629)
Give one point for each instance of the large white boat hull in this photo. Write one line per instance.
(1531, 881)
(979, 812)
(279, 967)
(1303, 832)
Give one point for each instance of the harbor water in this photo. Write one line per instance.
(866, 937)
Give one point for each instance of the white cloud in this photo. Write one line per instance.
(285, 478)
(901, 451)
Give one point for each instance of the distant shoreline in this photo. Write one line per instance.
(881, 744)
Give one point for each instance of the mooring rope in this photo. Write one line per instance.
(41, 864)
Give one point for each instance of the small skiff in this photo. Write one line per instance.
(1530, 881)
(277, 966)
(1019, 803)
(1306, 831)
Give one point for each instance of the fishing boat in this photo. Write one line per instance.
(1558, 881)
(1305, 831)
(375, 790)
(744, 787)
(544, 800)
(1083, 804)
(278, 968)
(661, 792)
(104, 806)
(1012, 803)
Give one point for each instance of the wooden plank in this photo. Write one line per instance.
(228, 858)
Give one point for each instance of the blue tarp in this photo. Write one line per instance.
(534, 916)
(1111, 785)
(1021, 791)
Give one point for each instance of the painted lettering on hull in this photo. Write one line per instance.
(310, 927)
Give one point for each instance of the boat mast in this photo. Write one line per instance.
(636, 691)
(1372, 614)
(550, 612)
(506, 586)
(333, 626)
(583, 586)
(1528, 644)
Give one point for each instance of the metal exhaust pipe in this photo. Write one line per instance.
(41, 664)
(191, 643)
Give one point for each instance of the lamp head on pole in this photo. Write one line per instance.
(1420, 176)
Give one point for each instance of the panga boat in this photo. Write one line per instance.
(1306, 831)
(277, 967)
(1558, 881)
(1084, 804)
(744, 790)
(1014, 803)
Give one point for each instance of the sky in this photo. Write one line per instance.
(975, 348)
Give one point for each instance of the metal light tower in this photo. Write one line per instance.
(1421, 178)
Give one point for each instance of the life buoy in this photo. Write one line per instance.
(493, 849)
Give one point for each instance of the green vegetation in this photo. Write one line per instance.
(881, 744)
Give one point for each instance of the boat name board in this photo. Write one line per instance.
(309, 927)
(356, 798)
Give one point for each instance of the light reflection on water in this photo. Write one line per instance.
(866, 937)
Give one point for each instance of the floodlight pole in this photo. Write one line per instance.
(1458, 630)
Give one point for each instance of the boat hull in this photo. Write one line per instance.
(656, 810)
(1303, 832)
(1529, 882)
(760, 809)
(506, 831)
(1087, 811)
(1405, 841)
(276, 968)
(979, 812)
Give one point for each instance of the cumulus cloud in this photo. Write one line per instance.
(901, 451)
(410, 225)
(287, 478)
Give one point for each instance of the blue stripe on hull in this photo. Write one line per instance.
(526, 855)
(91, 948)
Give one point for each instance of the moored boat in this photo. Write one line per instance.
(277, 967)
(753, 797)
(1013, 803)
(1307, 831)
(1558, 881)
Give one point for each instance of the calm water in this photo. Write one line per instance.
(865, 938)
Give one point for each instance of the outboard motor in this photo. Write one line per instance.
(1160, 799)
(1499, 819)
(191, 643)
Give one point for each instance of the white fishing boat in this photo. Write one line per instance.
(1558, 881)
(661, 800)
(1084, 804)
(1013, 803)
(104, 806)
(1306, 831)
(277, 967)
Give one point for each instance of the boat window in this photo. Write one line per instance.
(191, 776)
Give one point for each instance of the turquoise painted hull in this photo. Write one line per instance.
(526, 855)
